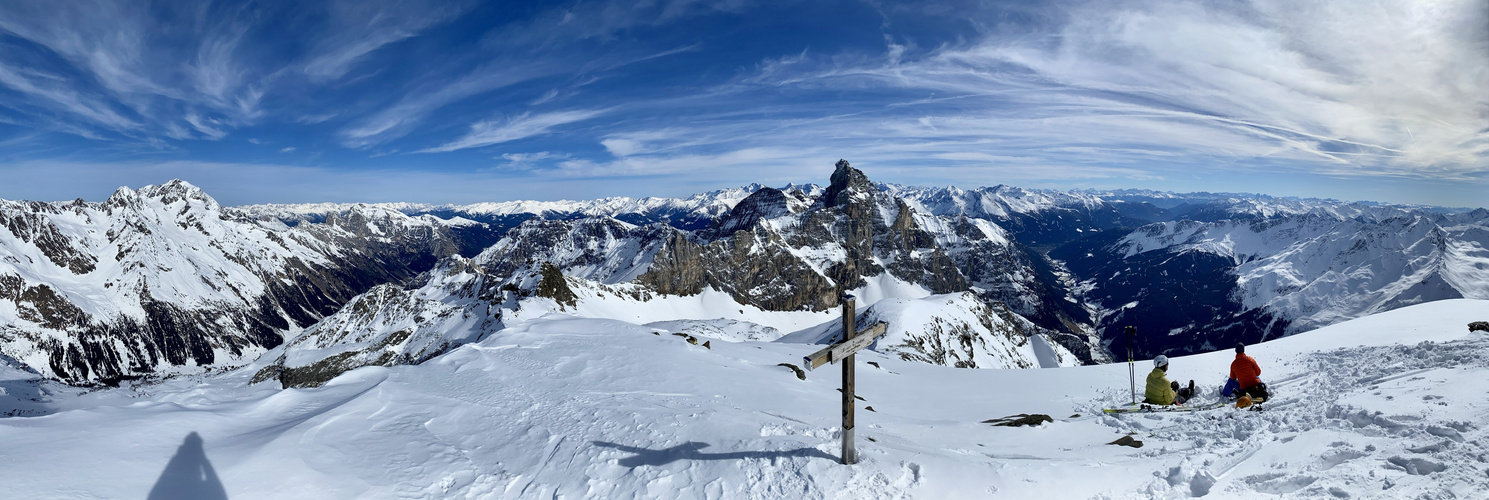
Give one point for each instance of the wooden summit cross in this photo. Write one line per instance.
(853, 341)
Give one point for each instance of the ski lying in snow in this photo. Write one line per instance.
(1151, 408)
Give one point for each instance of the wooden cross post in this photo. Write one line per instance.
(850, 455)
(853, 341)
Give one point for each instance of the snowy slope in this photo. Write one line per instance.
(554, 406)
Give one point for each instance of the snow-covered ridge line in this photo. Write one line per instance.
(1003, 201)
(712, 203)
(985, 201)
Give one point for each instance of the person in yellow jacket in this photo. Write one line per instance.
(1162, 392)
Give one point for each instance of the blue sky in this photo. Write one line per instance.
(459, 102)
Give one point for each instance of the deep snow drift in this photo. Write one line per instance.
(555, 406)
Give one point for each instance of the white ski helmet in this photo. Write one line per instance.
(1161, 360)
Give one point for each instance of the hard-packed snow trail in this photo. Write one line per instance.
(1394, 405)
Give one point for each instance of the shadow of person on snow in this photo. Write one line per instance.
(188, 475)
(689, 451)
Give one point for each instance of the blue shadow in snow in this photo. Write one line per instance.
(189, 475)
(689, 451)
(25, 398)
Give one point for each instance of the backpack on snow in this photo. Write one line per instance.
(1258, 391)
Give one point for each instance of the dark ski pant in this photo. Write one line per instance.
(1181, 394)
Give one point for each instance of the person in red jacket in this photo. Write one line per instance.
(1247, 374)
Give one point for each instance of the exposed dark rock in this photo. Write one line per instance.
(320, 372)
(1478, 326)
(1127, 441)
(1020, 420)
(553, 285)
(799, 373)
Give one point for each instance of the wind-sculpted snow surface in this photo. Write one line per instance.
(164, 280)
(559, 406)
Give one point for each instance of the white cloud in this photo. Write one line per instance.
(532, 157)
(622, 147)
(290, 149)
(206, 126)
(525, 125)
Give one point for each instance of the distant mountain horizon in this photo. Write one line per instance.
(1192, 271)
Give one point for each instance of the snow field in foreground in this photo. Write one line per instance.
(1393, 405)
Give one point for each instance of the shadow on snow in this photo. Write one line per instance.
(24, 398)
(689, 451)
(189, 475)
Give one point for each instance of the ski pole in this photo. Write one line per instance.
(1131, 369)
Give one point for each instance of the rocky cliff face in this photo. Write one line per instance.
(164, 280)
(778, 252)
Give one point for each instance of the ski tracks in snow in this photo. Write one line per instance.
(1360, 422)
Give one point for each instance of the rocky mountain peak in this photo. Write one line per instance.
(178, 190)
(122, 197)
(171, 192)
(848, 183)
(764, 203)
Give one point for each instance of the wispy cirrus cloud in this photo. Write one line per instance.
(141, 81)
(189, 70)
(486, 133)
(1395, 88)
(361, 27)
(45, 89)
(1049, 93)
(400, 118)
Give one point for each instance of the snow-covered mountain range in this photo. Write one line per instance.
(163, 280)
(773, 252)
